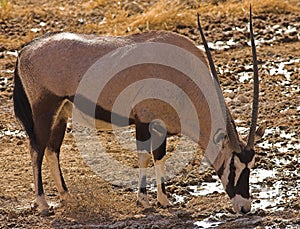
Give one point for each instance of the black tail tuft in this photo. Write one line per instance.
(22, 107)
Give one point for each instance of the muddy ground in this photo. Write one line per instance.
(275, 181)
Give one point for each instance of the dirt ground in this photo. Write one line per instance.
(96, 203)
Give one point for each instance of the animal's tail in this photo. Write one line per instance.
(22, 106)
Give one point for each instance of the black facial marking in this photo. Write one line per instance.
(242, 186)
(230, 189)
(245, 156)
(143, 185)
(221, 170)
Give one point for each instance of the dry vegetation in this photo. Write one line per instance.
(123, 17)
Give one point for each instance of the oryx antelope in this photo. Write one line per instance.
(48, 72)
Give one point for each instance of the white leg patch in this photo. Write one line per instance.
(143, 160)
(160, 175)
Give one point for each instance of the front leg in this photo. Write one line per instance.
(158, 140)
(144, 156)
(143, 160)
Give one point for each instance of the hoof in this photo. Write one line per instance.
(145, 205)
(163, 206)
(41, 204)
(65, 196)
(143, 200)
(149, 210)
(46, 212)
(164, 203)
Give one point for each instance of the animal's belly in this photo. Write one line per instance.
(90, 122)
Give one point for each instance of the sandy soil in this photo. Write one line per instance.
(275, 181)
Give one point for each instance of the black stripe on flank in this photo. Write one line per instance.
(95, 111)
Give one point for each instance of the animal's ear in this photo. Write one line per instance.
(260, 131)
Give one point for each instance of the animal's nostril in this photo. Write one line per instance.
(244, 211)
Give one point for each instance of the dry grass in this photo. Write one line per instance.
(5, 8)
(119, 19)
(3, 3)
(167, 14)
(238, 7)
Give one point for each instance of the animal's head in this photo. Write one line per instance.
(237, 157)
(233, 165)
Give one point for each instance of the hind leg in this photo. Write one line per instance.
(37, 155)
(42, 131)
(52, 155)
(43, 113)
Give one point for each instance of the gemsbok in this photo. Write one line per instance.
(47, 75)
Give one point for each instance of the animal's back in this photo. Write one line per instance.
(59, 59)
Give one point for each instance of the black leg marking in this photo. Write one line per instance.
(143, 185)
(160, 152)
(163, 188)
(158, 141)
(142, 135)
(37, 168)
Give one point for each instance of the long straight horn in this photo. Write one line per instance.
(251, 136)
(232, 134)
(208, 54)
